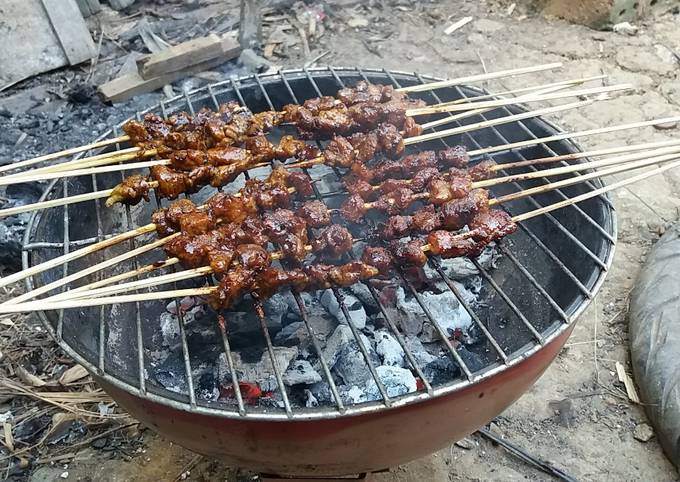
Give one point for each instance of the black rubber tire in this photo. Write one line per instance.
(655, 340)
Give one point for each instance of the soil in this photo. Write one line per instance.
(577, 416)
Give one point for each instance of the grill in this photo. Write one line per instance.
(522, 311)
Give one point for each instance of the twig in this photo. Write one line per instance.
(459, 24)
(526, 456)
(317, 58)
(190, 465)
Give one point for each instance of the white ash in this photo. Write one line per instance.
(361, 291)
(260, 372)
(388, 348)
(397, 381)
(356, 310)
(310, 400)
(308, 300)
(301, 372)
(353, 395)
(460, 268)
(169, 321)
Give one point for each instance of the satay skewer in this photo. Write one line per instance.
(478, 107)
(41, 305)
(430, 86)
(91, 289)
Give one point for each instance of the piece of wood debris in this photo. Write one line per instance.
(457, 25)
(73, 374)
(627, 382)
(127, 86)
(9, 439)
(180, 56)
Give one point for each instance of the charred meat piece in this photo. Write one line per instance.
(379, 258)
(339, 152)
(197, 223)
(353, 209)
(170, 182)
(426, 219)
(263, 122)
(390, 140)
(457, 213)
(396, 227)
(289, 147)
(395, 202)
(234, 284)
(409, 253)
(272, 197)
(415, 162)
(315, 214)
(439, 191)
(187, 159)
(260, 149)
(334, 241)
(252, 256)
(334, 121)
(451, 245)
(301, 182)
(492, 225)
(422, 177)
(356, 185)
(230, 209)
(132, 190)
(318, 104)
(483, 170)
(455, 156)
(411, 128)
(272, 280)
(365, 146)
(163, 227)
(365, 114)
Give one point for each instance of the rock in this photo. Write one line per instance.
(458, 268)
(643, 61)
(301, 371)
(485, 25)
(388, 348)
(466, 443)
(643, 432)
(46, 474)
(671, 90)
(625, 28)
(355, 308)
(261, 371)
(397, 381)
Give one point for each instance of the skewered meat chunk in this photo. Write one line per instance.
(252, 256)
(394, 202)
(353, 208)
(318, 104)
(440, 191)
(334, 240)
(409, 253)
(197, 223)
(315, 214)
(288, 231)
(339, 152)
(378, 257)
(483, 170)
(457, 213)
(130, 191)
(365, 146)
(170, 183)
(229, 208)
(301, 182)
(289, 147)
(356, 185)
(234, 284)
(451, 245)
(492, 225)
(426, 219)
(261, 148)
(263, 122)
(411, 128)
(455, 156)
(396, 227)
(272, 279)
(390, 140)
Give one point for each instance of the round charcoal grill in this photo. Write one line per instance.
(186, 377)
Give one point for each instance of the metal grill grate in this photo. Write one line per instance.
(549, 271)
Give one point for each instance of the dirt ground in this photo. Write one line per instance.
(577, 416)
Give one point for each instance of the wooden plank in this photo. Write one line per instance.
(180, 56)
(127, 86)
(71, 30)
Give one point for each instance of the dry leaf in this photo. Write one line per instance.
(6, 322)
(76, 372)
(358, 21)
(29, 378)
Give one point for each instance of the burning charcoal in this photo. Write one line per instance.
(292, 335)
(389, 349)
(342, 354)
(301, 371)
(356, 310)
(361, 291)
(169, 329)
(260, 371)
(420, 354)
(207, 387)
(397, 381)
(442, 370)
(321, 392)
(461, 268)
(353, 395)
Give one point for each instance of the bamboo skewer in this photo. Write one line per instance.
(439, 109)
(642, 160)
(480, 77)
(42, 305)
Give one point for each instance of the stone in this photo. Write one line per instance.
(46, 474)
(637, 60)
(301, 372)
(671, 90)
(397, 381)
(643, 432)
(596, 13)
(388, 348)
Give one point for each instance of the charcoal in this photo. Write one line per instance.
(388, 348)
(301, 372)
(356, 310)
(441, 370)
(260, 371)
(397, 381)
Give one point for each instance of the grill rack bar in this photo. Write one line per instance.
(28, 246)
